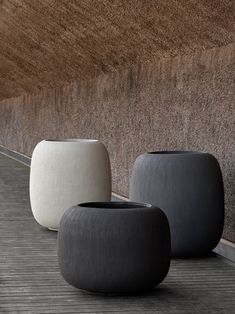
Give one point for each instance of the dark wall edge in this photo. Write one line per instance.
(225, 248)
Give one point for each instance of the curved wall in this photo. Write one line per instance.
(44, 43)
(185, 102)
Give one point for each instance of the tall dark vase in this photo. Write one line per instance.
(188, 187)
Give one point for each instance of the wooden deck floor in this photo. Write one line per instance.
(30, 281)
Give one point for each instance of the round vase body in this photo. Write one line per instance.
(114, 247)
(188, 187)
(65, 173)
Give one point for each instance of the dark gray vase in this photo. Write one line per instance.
(114, 247)
(188, 187)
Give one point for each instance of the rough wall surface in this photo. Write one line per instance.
(50, 42)
(183, 102)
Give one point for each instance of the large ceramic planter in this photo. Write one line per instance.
(188, 187)
(65, 173)
(114, 247)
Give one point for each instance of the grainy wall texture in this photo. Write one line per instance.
(182, 102)
(50, 42)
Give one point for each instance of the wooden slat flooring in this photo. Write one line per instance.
(30, 281)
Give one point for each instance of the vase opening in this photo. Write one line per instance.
(115, 205)
(172, 152)
(69, 140)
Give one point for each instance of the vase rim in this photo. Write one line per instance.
(115, 205)
(72, 140)
(174, 152)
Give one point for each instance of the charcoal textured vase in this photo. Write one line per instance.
(114, 247)
(64, 173)
(188, 187)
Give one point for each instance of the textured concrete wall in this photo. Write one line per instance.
(185, 102)
(51, 42)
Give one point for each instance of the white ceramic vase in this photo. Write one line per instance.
(65, 173)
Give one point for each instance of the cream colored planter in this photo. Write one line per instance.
(65, 173)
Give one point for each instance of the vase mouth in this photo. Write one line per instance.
(115, 205)
(72, 140)
(174, 152)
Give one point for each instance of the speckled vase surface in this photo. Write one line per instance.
(114, 247)
(188, 187)
(67, 172)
